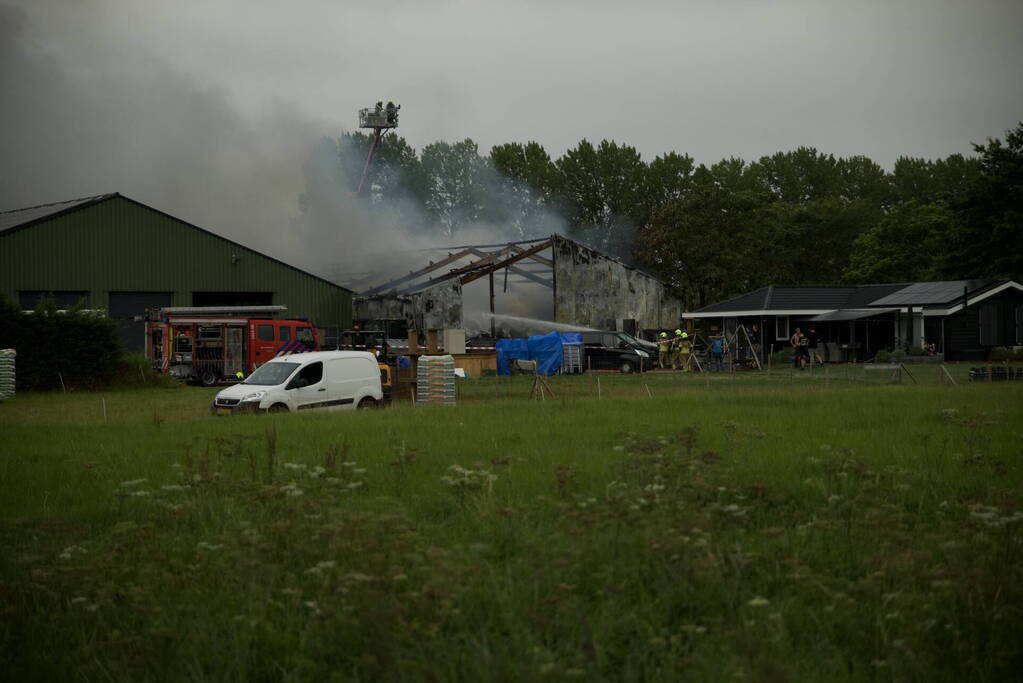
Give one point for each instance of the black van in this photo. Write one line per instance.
(618, 351)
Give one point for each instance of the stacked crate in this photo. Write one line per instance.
(573, 359)
(7, 373)
(435, 380)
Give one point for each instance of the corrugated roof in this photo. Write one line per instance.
(933, 293)
(19, 217)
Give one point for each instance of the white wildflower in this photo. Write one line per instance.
(133, 482)
(759, 602)
(71, 550)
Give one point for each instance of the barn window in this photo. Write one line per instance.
(29, 300)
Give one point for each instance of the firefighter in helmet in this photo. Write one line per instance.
(392, 112)
(676, 350)
(663, 350)
(686, 349)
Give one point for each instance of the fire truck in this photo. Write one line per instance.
(207, 345)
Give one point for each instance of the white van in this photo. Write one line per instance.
(333, 380)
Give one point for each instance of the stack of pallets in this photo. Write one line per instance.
(435, 380)
(7, 373)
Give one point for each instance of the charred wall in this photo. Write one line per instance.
(439, 307)
(593, 290)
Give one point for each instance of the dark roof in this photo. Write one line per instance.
(814, 298)
(784, 298)
(851, 314)
(33, 214)
(796, 298)
(866, 295)
(750, 301)
(23, 218)
(934, 293)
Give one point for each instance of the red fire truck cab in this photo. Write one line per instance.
(207, 345)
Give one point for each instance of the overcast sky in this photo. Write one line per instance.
(207, 109)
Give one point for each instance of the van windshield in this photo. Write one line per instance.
(271, 374)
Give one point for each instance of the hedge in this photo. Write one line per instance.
(75, 349)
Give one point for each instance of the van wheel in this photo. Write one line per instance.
(277, 408)
(626, 368)
(366, 404)
(208, 377)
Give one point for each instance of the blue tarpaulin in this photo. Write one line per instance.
(571, 339)
(508, 349)
(547, 352)
(545, 349)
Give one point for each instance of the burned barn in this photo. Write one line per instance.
(567, 283)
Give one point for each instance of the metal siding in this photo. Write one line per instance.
(118, 245)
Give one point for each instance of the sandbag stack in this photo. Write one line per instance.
(435, 380)
(7, 357)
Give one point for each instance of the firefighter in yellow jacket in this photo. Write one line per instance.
(663, 350)
(676, 350)
(686, 352)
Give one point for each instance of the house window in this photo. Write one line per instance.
(989, 327)
(1019, 324)
(781, 327)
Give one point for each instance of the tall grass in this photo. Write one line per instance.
(676, 528)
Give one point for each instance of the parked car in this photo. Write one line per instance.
(618, 351)
(331, 380)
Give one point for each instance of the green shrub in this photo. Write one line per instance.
(882, 356)
(75, 349)
(1000, 353)
(781, 358)
(915, 351)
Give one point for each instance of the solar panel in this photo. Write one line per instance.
(930, 293)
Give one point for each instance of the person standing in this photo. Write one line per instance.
(798, 343)
(663, 351)
(754, 340)
(812, 342)
(717, 351)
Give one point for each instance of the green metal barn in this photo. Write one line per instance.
(122, 256)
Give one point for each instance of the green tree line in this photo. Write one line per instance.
(712, 231)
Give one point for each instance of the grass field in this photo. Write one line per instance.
(659, 527)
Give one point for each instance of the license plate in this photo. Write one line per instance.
(223, 411)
